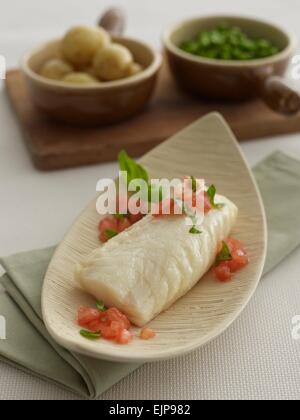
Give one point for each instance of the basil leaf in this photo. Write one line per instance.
(120, 216)
(133, 169)
(224, 254)
(211, 193)
(194, 184)
(100, 306)
(195, 231)
(155, 192)
(110, 233)
(90, 335)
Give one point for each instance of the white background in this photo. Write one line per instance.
(256, 357)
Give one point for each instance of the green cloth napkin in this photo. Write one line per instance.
(28, 345)
(278, 178)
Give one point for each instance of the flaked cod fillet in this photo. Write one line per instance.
(145, 269)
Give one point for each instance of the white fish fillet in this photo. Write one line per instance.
(145, 269)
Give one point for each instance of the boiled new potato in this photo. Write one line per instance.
(112, 63)
(80, 78)
(91, 72)
(134, 69)
(56, 69)
(81, 43)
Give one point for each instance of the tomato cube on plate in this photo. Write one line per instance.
(124, 337)
(147, 333)
(222, 272)
(87, 315)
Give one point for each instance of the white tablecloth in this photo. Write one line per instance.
(257, 357)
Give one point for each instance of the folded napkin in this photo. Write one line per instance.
(29, 346)
(278, 178)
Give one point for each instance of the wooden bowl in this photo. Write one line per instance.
(234, 80)
(95, 104)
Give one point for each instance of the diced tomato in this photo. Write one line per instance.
(147, 333)
(112, 223)
(222, 272)
(95, 326)
(116, 327)
(239, 260)
(124, 337)
(87, 315)
(123, 224)
(107, 333)
(113, 314)
(103, 237)
(239, 255)
(234, 244)
(108, 223)
(112, 324)
(134, 218)
(111, 331)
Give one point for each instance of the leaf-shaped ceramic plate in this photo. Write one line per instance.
(205, 149)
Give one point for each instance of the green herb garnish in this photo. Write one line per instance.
(120, 216)
(211, 193)
(224, 254)
(194, 184)
(136, 171)
(90, 335)
(133, 169)
(110, 233)
(155, 194)
(226, 42)
(100, 306)
(195, 231)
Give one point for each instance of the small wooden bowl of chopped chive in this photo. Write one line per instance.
(233, 58)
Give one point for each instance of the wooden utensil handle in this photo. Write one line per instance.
(114, 21)
(279, 96)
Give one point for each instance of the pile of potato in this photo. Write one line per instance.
(88, 55)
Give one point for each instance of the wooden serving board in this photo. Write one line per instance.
(55, 146)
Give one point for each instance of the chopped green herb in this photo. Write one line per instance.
(136, 171)
(195, 231)
(211, 193)
(156, 194)
(194, 184)
(133, 169)
(110, 233)
(226, 42)
(100, 306)
(120, 216)
(90, 335)
(224, 254)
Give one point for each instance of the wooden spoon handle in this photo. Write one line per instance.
(114, 21)
(279, 96)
